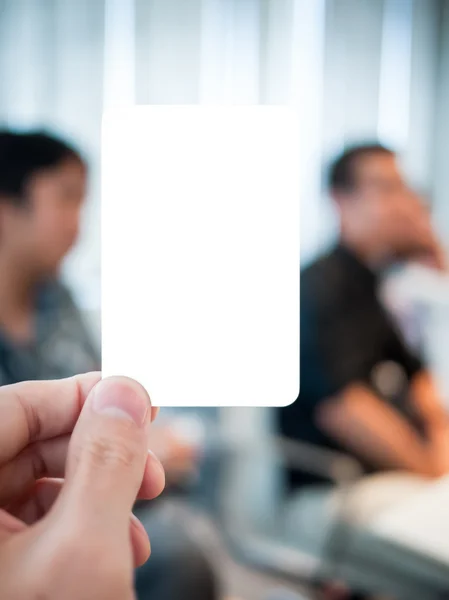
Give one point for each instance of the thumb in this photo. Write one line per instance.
(107, 455)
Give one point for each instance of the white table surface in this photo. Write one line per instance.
(420, 524)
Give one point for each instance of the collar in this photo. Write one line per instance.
(359, 269)
(48, 296)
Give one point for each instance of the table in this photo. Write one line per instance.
(421, 523)
(405, 551)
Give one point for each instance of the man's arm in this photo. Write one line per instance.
(374, 431)
(429, 406)
(428, 403)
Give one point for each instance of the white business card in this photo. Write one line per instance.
(200, 253)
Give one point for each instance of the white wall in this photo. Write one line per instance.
(440, 170)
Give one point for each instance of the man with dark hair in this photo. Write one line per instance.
(42, 188)
(363, 391)
(342, 171)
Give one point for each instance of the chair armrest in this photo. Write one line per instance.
(272, 557)
(338, 467)
(264, 552)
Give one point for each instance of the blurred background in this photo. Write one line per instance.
(354, 70)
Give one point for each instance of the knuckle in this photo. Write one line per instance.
(115, 451)
(32, 417)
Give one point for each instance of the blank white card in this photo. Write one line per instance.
(200, 253)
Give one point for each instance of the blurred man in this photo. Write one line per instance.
(363, 391)
(42, 334)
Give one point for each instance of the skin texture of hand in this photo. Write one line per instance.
(73, 459)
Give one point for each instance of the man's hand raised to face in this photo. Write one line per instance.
(414, 234)
(73, 459)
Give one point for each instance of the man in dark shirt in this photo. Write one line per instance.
(363, 391)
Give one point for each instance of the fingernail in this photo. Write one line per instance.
(122, 398)
(157, 461)
(135, 521)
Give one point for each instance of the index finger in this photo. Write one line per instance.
(34, 411)
(38, 410)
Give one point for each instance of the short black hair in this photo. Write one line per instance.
(341, 175)
(22, 155)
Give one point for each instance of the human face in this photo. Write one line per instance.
(40, 232)
(382, 211)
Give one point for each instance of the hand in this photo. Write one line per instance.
(435, 258)
(415, 237)
(73, 537)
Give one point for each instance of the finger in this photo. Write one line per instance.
(40, 460)
(152, 486)
(48, 460)
(107, 457)
(37, 410)
(40, 501)
(139, 541)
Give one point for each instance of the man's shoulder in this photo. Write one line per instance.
(325, 279)
(319, 267)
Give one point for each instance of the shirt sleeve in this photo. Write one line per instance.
(326, 366)
(330, 357)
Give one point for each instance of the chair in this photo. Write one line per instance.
(252, 508)
(261, 527)
(212, 495)
(242, 487)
